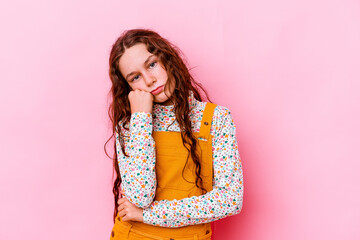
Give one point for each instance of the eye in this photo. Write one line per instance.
(135, 78)
(153, 64)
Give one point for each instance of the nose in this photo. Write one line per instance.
(149, 79)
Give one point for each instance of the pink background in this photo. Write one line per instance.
(287, 70)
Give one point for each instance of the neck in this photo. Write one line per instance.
(166, 103)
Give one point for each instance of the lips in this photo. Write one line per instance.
(157, 90)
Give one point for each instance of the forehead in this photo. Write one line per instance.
(133, 58)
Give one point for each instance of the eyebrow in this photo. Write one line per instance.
(146, 61)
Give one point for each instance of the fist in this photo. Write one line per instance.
(140, 101)
(128, 211)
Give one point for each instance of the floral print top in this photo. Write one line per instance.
(138, 170)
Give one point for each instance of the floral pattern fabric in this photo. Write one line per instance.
(138, 168)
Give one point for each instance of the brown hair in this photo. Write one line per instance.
(119, 109)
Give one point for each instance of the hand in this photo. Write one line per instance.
(140, 101)
(129, 211)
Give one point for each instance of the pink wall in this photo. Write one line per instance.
(287, 70)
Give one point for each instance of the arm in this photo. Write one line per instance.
(227, 195)
(138, 170)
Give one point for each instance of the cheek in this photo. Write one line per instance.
(170, 86)
(161, 72)
(136, 85)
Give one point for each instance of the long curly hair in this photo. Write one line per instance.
(119, 109)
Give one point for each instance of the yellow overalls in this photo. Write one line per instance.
(171, 157)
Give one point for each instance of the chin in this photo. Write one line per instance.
(163, 101)
(159, 101)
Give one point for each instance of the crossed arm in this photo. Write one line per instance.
(139, 168)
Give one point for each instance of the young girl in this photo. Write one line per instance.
(176, 156)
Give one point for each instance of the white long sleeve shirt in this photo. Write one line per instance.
(138, 170)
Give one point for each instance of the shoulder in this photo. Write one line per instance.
(221, 120)
(220, 113)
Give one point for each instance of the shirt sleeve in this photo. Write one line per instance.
(137, 171)
(224, 200)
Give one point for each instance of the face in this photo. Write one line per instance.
(143, 70)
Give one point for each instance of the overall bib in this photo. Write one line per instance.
(171, 168)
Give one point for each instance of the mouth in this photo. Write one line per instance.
(157, 90)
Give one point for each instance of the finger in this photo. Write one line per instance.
(122, 213)
(124, 219)
(121, 201)
(125, 205)
(121, 207)
(127, 217)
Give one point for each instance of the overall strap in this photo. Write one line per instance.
(206, 120)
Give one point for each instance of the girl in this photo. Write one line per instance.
(176, 156)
